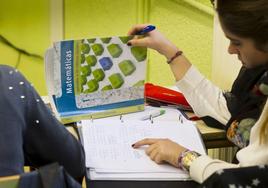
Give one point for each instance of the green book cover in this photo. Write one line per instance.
(94, 78)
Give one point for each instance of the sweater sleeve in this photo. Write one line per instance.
(255, 153)
(204, 97)
(204, 166)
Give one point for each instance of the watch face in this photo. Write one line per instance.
(188, 158)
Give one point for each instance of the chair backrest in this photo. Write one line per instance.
(9, 181)
(49, 176)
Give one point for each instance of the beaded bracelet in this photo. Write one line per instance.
(177, 54)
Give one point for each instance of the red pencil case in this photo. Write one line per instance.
(164, 96)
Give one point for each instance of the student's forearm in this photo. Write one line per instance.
(180, 65)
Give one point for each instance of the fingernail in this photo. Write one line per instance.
(129, 44)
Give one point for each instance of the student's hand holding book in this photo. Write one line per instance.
(157, 41)
(154, 40)
(162, 150)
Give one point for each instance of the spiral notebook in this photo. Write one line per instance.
(109, 155)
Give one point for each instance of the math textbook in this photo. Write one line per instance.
(96, 77)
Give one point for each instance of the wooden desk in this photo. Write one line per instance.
(213, 137)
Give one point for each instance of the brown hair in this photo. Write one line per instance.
(246, 18)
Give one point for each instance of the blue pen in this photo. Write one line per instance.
(145, 30)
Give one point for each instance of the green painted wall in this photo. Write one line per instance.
(191, 30)
(205, 2)
(27, 25)
(86, 19)
(188, 28)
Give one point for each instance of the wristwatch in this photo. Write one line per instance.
(186, 158)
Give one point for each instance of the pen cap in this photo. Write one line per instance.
(162, 112)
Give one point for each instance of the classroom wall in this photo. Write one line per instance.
(189, 28)
(222, 61)
(27, 25)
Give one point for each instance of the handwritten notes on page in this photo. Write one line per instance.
(108, 148)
